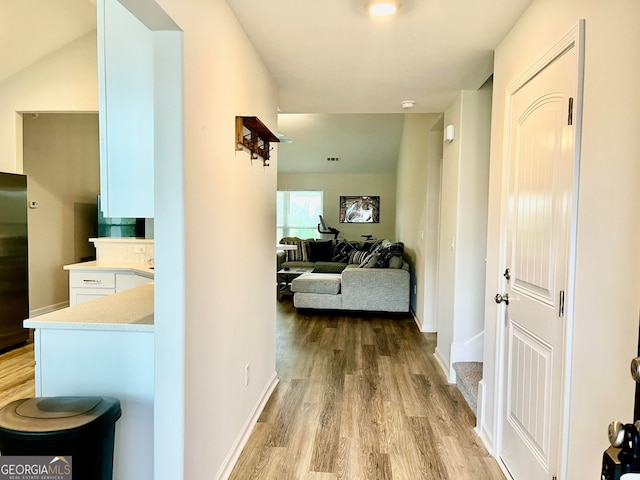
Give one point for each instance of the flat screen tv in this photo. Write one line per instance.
(359, 209)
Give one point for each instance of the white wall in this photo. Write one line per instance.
(62, 165)
(607, 289)
(418, 209)
(65, 81)
(229, 257)
(463, 228)
(335, 185)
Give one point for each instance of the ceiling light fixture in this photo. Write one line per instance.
(383, 8)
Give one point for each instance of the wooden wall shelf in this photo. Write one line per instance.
(257, 140)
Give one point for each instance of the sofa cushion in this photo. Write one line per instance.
(387, 251)
(317, 283)
(328, 267)
(297, 265)
(320, 251)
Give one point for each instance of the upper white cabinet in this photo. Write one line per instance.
(132, 60)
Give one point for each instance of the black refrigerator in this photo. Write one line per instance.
(14, 270)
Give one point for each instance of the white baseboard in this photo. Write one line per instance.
(449, 373)
(480, 429)
(48, 309)
(424, 328)
(247, 429)
(470, 351)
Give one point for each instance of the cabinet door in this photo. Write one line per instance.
(82, 295)
(142, 280)
(125, 80)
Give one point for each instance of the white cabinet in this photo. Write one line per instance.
(126, 94)
(139, 78)
(86, 284)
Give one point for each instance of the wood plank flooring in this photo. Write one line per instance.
(361, 397)
(17, 374)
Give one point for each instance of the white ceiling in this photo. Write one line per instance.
(327, 56)
(362, 142)
(330, 56)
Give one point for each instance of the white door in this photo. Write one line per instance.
(538, 220)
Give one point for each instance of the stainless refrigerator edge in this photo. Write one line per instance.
(14, 270)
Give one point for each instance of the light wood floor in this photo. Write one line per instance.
(361, 398)
(17, 374)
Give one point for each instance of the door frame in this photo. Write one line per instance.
(572, 39)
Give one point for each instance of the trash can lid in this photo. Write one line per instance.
(56, 407)
(52, 414)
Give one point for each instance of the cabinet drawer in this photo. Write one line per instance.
(91, 279)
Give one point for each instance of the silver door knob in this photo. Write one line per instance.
(502, 298)
(635, 369)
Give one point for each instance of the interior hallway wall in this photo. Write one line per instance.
(418, 209)
(62, 164)
(229, 206)
(463, 230)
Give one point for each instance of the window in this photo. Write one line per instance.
(297, 214)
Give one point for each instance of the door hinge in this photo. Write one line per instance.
(561, 311)
(570, 111)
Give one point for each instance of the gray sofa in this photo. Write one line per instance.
(362, 289)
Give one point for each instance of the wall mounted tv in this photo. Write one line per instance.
(359, 209)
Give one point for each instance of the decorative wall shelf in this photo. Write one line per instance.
(257, 140)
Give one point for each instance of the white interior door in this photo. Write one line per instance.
(538, 219)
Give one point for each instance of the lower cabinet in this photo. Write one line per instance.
(86, 285)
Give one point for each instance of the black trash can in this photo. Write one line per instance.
(82, 428)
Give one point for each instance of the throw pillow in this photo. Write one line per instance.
(357, 256)
(343, 251)
(395, 262)
(388, 250)
(320, 251)
(297, 255)
(370, 261)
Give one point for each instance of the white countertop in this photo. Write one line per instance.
(131, 310)
(139, 268)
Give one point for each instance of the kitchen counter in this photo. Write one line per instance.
(135, 267)
(105, 347)
(131, 310)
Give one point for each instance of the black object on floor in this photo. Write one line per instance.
(82, 429)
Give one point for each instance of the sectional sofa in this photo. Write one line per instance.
(370, 276)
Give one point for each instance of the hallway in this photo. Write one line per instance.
(361, 397)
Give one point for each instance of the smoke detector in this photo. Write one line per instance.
(408, 103)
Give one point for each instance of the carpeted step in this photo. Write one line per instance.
(468, 375)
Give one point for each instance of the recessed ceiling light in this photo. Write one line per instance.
(383, 8)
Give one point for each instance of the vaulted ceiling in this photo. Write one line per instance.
(328, 57)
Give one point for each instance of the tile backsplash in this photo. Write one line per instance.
(134, 250)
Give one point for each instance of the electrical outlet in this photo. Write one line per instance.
(247, 374)
(139, 249)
